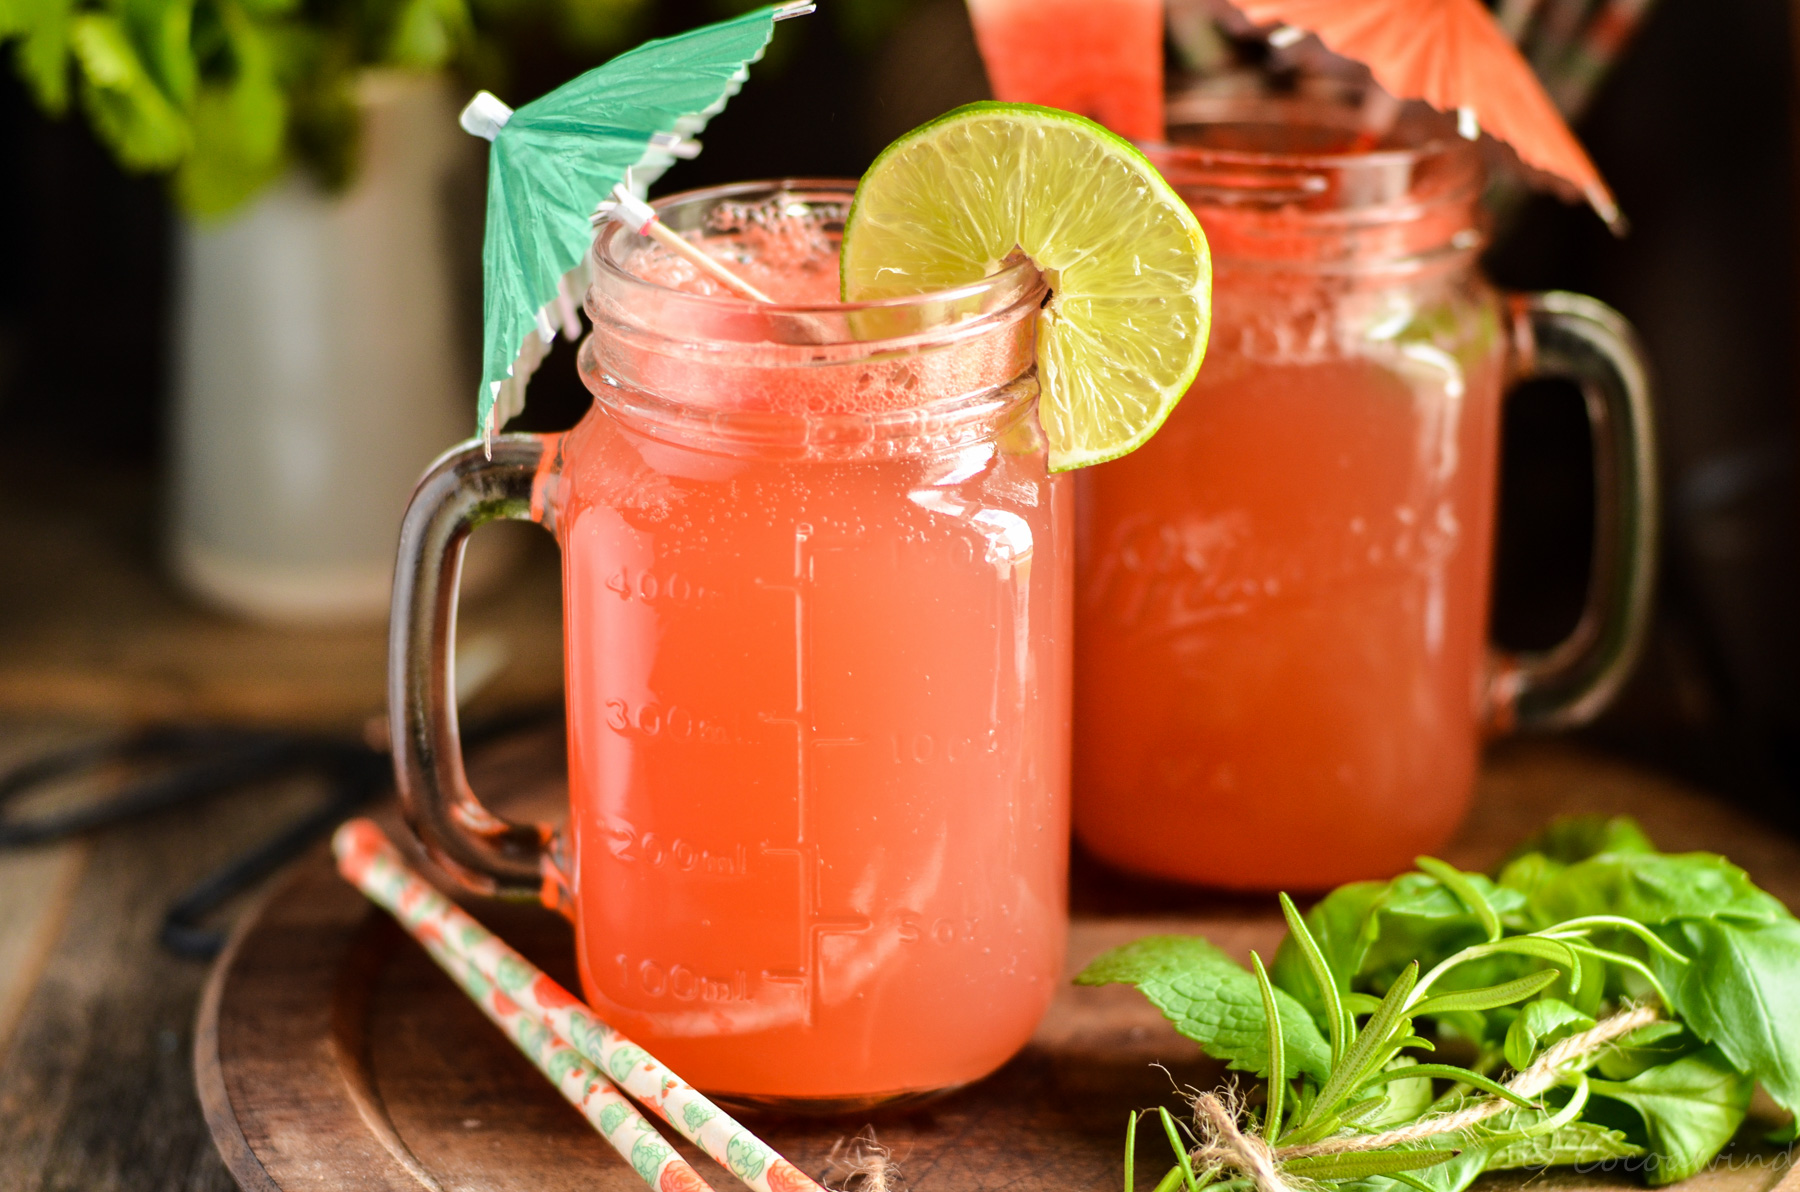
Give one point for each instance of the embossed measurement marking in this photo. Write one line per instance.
(815, 922)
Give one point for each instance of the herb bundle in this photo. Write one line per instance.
(1605, 1001)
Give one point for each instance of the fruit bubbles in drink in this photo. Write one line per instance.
(817, 606)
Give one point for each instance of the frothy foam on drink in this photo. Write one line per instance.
(786, 248)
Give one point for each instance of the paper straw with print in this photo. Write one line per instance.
(369, 861)
(580, 1083)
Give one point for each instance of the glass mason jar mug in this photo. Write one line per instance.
(817, 600)
(1282, 673)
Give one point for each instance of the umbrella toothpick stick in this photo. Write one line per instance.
(641, 218)
(551, 160)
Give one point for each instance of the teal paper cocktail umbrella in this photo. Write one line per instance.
(556, 159)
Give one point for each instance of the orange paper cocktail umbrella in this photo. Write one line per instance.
(1452, 55)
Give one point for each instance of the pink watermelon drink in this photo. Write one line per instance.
(818, 608)
(1099, 58)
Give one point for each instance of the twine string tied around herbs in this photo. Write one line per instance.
(1224, 1144)
(862, 1164)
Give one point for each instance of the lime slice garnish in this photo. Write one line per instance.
(1124, 331)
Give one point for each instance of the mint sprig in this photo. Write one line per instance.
(1607, 1000)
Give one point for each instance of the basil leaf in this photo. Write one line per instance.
(1215, 1001)
(1407, 1097)
(1647, 1047)
(1741, 990)
(1540, 1024)
(1577, 1142)
(1368, 929)
(1654, 889)
(1423, 897)
(1690, 1108)
(1422, 919)
(1466, 892)
(1529, 873)
(1577, 837)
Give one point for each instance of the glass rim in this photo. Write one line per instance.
(1182, 113)
(1021, 277)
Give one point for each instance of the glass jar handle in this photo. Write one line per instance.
(1583, 340)
(464, 489)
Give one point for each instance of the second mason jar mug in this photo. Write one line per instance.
(817, 601)
(1282, 668)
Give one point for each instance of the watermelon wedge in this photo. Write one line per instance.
(1102, 59)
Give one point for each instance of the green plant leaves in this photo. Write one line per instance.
(1647, 1047)
(428, 33)
(1742, 991)
(1467, 893)
(163, 32)
(1654, 889)
(1577, 837)
(1215, 1001)
(1690, 1109)
(1407, 1096)
(43, 29)
(1587, 922)
(127, 108)
(1357, 1165)
(593, 24)
(1277, 1052)
(1373, 929)
(1577, 1142)
(239, 125)
(1489, 997)
(1343, 926)
(1372, 1047)
(1538, 1025)
(1325, 985)
(1451, 1175)
(225, 95)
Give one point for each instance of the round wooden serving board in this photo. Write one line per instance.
(333, 1055)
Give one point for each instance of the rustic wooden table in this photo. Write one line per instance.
(96, 1023)
(96, 1020)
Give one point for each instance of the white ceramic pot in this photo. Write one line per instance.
(323, 360)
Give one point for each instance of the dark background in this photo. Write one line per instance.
(1694, 131)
